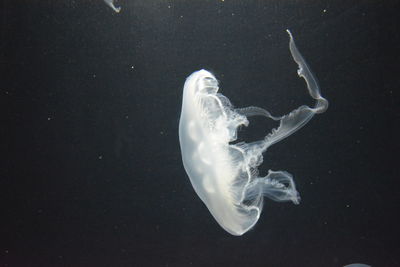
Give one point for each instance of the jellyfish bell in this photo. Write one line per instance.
(225, 175)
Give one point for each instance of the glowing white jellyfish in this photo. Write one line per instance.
(225, 175)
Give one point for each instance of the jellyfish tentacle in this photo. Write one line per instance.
(256, 111)
(280, 186)
(289, 124)
(305, 72)
(277, 185)
(299, 117)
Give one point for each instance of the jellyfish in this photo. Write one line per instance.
(110, 3)
(224, 174)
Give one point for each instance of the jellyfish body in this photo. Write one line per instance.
(225, 175)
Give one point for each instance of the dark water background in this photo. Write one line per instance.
(91, 173)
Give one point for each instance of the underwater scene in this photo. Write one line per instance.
(199, 133)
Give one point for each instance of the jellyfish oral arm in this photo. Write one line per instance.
(299, 117)
(305, 72)
(224, 175)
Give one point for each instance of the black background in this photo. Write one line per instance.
(91, 173)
